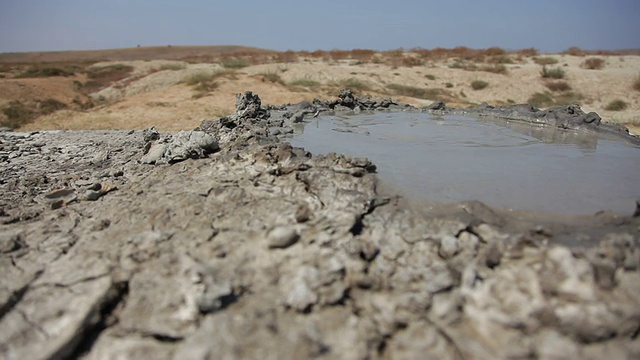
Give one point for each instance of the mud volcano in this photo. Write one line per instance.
(228, 242)
(504, 163)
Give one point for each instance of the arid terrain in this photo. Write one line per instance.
(175, 88)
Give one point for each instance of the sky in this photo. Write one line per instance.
(547, 25)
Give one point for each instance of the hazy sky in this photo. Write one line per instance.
(548, 25)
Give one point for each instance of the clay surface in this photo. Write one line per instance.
(227, 242)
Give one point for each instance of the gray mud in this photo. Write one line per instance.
(226, 242)
(514, 165)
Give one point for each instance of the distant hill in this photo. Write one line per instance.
(137, 53)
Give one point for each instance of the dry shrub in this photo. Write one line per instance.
(501, 59)
(541, 100)
(593, 64)
(616, 105)
(420, 93)
(496, 69)
(36, 71)
(102, 77)
(558, 86)
(494, 51)
(546, 60)
(527, 52)
(575, 51)
(557, 73)
(353, 84)
(235, 63)
(479, 84)
(636, 83)
(272, 77)
(21, 113)
(286, 57)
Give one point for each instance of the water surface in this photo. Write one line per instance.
(507, 164)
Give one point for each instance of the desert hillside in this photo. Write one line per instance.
(176, 87)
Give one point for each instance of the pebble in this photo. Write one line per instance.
(282, 237)
(449, 246)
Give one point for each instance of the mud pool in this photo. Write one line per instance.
(508, 164)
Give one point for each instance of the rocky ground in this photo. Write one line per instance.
(226, 242)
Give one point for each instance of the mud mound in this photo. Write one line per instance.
(255, 249)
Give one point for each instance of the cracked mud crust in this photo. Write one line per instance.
(226, 242)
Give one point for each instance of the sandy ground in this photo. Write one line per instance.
(159, 97)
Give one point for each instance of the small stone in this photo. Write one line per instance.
(95, 186)
(303, 213)
(282, 237)
(56, 204)
(449, 247)
(92, 195)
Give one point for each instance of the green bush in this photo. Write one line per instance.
(430, 77)
(616, 105)
(479, 84)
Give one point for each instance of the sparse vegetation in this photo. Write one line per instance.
(430, 77)
(557, 73)
(546, 60)
(574, 51)
(593, 64)
(541, 100)
(272, 77)
(616, 105)
(558, 86)
(502, 59)
(49, 106)
(496, 69)
(546, 99)
(204, 82)
(419, 93)
(448, 85)
(235, 63)
(102, 77)
(636, 83)
(353, 84)
(21, 113)
(479, 84)
(17, 115)
(173, 66)
(35, 71)
(304, 82)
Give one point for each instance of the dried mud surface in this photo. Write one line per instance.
(226, 242)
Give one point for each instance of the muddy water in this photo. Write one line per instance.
(506, 164)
